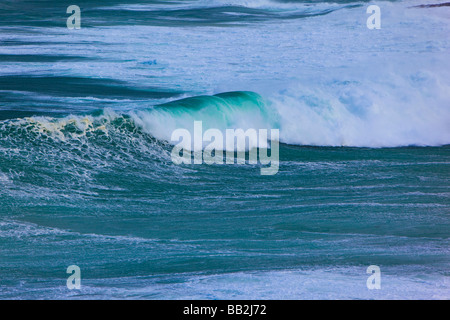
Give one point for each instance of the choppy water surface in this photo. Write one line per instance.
(86, 175)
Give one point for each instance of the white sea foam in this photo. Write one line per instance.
(332, 81)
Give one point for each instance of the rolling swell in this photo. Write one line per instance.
(72, 150)
(240, 109)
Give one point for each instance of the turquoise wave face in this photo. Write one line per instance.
(142, 227)
(160, 13)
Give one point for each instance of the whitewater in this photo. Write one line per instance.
(87, 178)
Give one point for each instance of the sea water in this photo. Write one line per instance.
(87, 178)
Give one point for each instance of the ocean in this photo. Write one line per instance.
(87, 176)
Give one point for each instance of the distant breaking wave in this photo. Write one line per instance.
(304, 117)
